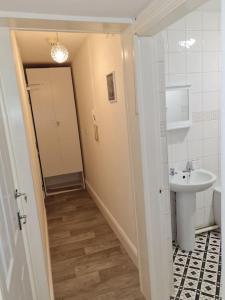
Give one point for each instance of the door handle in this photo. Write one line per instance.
(22, 220)
(17, 194)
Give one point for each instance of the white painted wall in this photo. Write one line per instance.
(36, 173)
(106, 162)
(200, 67)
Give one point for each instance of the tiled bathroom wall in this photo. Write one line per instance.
(199, 66)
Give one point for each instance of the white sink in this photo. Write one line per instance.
(197, 181)
(186, 185)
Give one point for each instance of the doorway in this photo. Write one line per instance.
(193, 74)
(84, 248)
(183, 55)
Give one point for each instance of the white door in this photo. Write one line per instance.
(14, 276)
(55, 120)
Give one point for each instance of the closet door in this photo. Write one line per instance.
(52, 99)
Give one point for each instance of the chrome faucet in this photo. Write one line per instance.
(172, 171)
(189, 167)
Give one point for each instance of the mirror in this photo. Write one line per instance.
(178, 107)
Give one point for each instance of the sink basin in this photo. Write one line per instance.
(198, 180)
(186, 186)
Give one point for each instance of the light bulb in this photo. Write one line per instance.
(59, 53)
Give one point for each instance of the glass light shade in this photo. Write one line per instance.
(59, 53)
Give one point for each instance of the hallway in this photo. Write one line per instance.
(88, 261)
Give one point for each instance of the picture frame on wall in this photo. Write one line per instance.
(111, 87)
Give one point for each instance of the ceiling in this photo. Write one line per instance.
(91, 8)
(35, 48)
(212, 5)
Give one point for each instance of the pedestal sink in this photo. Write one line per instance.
(186, 185)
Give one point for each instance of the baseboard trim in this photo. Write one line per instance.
(125, 241)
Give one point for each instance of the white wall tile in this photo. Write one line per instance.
(181, 151)
(210, 101)
(210, 147)
(195, 131)
(197, 36)
(210, 81)
(210, 21)
(195, 80)
(200, 218)
(194, 62)
(196, 99)
(210, 61)
(211, 163)
(177, 79)
(211, 41)
(194, 149)
(180, 165)
(194, 21)
(210, 129)
(209, 216)
(160, 43)
(174, 39)
(177, 63)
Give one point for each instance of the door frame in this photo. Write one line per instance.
(157, 16)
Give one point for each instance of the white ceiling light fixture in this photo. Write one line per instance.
(59, 52)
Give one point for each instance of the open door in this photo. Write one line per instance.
(14, 274)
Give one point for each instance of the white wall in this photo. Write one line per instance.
(106, 162)
(200, 67)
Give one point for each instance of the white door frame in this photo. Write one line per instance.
(222, 118)
(153, 20)
(157, 16)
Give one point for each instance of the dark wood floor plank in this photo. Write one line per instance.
(88, 261)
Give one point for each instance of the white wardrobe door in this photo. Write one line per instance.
(55, 120)
(66, 118)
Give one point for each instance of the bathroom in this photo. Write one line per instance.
(192, 75)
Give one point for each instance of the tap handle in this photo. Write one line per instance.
(189, 165)
(172, 171)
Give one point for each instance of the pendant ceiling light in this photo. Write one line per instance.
(59, 52)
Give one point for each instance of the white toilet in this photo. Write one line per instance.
(217, 205)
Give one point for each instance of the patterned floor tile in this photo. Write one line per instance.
(197, 274)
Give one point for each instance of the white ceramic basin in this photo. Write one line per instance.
(186, 186)
(197, 181)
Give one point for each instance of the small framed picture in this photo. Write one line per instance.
(111, 86)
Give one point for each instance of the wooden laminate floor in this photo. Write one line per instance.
(88, 261)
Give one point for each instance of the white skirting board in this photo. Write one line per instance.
(125, 241)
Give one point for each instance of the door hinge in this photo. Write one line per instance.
(22, 220)
(33, 86)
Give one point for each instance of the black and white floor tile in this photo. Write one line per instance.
(197, 274)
